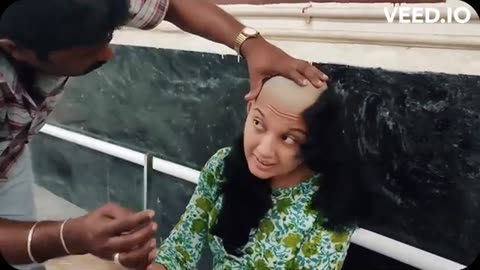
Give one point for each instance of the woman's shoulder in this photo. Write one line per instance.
(217, 159)
(222, 152)
(213, 168)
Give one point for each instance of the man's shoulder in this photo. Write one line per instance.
(7, 72)
(4, 63)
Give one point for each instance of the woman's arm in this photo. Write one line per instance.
(340, 242)
(326, 250)
(182, 249)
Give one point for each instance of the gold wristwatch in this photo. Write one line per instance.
(245, 34)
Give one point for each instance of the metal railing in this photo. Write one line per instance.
(378, 243)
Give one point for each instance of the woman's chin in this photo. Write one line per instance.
(259, 173)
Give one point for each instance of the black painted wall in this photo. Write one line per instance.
(422, 130)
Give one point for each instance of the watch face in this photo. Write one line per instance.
(250, 31)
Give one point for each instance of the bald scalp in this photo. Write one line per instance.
(287, 97)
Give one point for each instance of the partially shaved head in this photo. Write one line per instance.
(287, 97)
(275, 130)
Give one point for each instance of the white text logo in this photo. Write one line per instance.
(427, 15)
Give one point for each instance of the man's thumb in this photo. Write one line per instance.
(255, 86)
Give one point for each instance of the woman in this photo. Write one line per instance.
(287, 195)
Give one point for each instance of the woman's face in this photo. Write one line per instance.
(272, 141)
(274, 129)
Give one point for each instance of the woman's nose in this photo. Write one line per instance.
(265, 148)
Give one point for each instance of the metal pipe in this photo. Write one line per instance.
(402, 252)
(124, 153)
(147, 177)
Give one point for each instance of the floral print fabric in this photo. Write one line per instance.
(290, 236)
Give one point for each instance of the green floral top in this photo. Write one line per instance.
(289, 236)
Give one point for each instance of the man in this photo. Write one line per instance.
(44, 42)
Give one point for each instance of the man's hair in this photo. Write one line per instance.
(4, 4)
(50, 25)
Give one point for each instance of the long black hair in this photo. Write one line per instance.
(345, 181)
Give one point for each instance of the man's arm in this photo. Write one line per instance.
(45, 243)
(204, 18)
(146, 14)
(102, 232)
(199, 17)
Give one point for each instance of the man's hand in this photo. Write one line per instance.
(111, 229)
(205, 19)
(157, 267)
(266, 60)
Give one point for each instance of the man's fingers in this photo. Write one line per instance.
(155, 266)
(313, 74)
(126, 242)
(114, 211)
(152, 255)
(129, 223)
(306, 67)
(255, 87)
(297, 77)
(138, 258)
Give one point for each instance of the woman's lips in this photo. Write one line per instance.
(263, 164)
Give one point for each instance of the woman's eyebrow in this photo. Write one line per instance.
(298, 130)
(259, 111)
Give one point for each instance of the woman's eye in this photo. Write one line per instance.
(290, 140)
(257, 125)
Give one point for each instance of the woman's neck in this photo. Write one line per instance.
(298, 176)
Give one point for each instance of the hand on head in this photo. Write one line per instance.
(288, 95)
(113, 229)
(265, 60)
